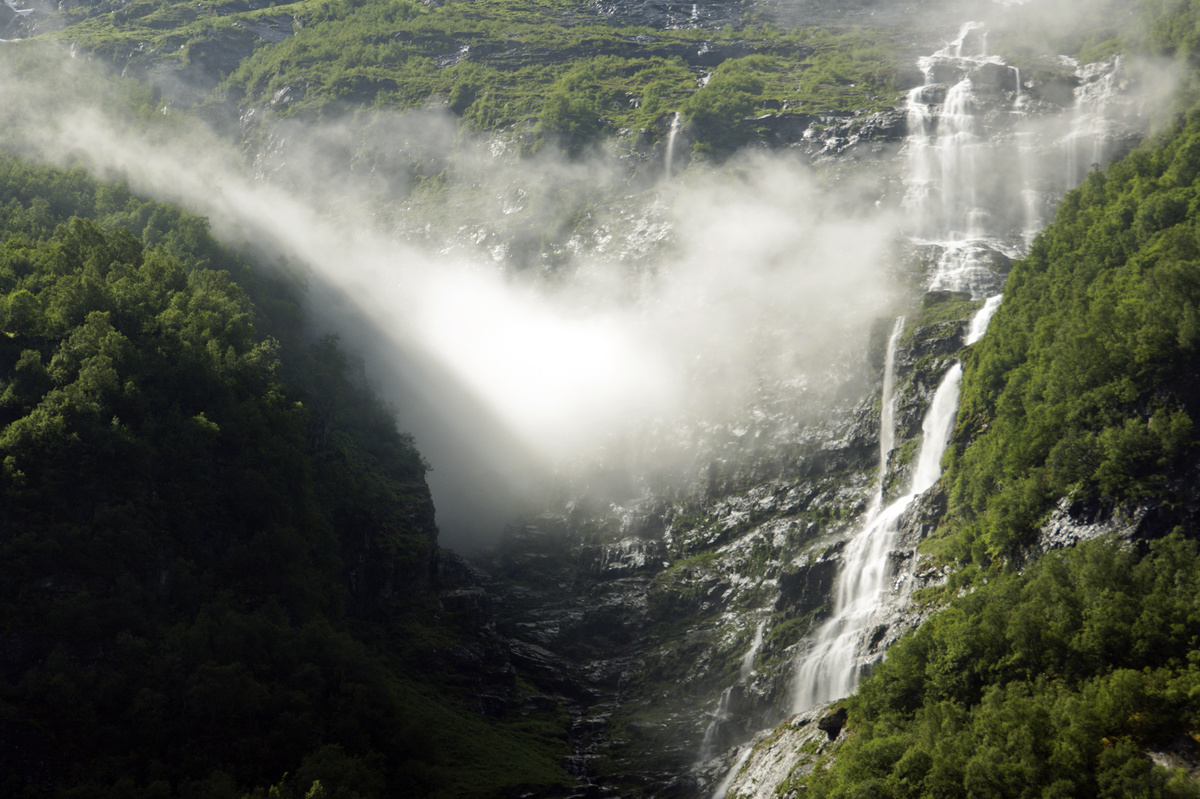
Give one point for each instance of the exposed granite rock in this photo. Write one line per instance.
(833, 135)
(809, 587)
(1073, 522)
(766, 767)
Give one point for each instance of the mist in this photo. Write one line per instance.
(533, 319)
(668, 315)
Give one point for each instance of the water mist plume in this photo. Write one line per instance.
(758, 279)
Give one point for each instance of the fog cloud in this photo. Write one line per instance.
(522, 313)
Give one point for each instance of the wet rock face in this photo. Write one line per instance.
(669, 625)
(1074, 522)
(767, 766)
(844, 135)
(19, 19)
(808, 589)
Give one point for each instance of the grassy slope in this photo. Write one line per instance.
(495, 63)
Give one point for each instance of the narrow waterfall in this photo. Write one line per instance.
(835, 661)
(979, 323)
(674, 134)
(887, 410)
(1087, 141)
(723, 786)
(747, 669)
(708, 747)
(828, 671)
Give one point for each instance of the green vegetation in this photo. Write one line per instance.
(1050, 683)
(548, 69)
(938, 307)
(1086, 386)
(1079, 675)
(217, 546)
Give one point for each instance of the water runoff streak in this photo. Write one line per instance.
(671, 137)
(708, 748)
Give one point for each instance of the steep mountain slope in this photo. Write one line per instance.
(242, 585)
(219, 554)
(1067, 674)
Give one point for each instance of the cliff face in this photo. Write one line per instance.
(651, 635)
(671, 626)
(684, 615)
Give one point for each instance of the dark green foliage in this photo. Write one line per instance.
(216, 546)
(540, 66)
(718, 111)
(1051, 683)
(1087, 384)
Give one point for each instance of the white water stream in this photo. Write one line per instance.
(963, 197)
(671, 137)
(980, 195)
(722, 714)
(831, 668)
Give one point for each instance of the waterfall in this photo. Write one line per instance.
(978, 188)
(979, 323)
(722, 714)
(708, 746)
(835, 661)
(1031, 198)
(671, 143)
(951, 195)
(957, 156)
(723, 786)
(828, 671)
(747, 669)
(971, 185)
(887, 408)
(1086, 142)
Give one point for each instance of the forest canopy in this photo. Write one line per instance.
(217, 547)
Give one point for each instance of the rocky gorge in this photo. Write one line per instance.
(670, 625)
(659, 615)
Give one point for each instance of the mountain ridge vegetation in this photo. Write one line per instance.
(220, 553)
(1068, 673)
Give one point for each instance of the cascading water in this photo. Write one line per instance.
(722, 714)
(985, 152)
(887, 408)
(833, 664)
(671, 137)
(708, 746)
(747, 669)
(1087, 142)
(962, 198)
(960, 189)
(979, 323)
